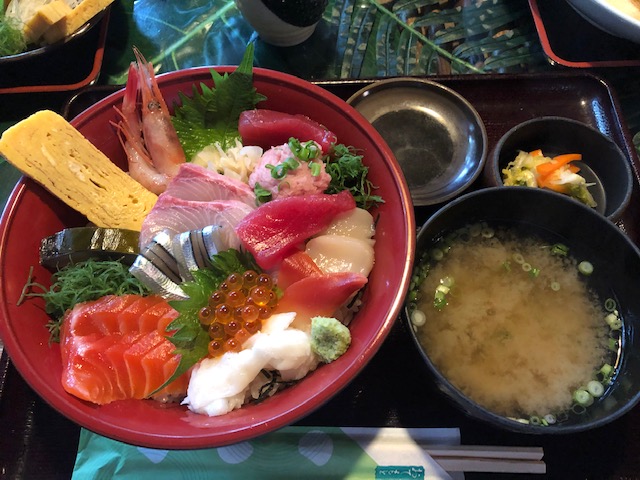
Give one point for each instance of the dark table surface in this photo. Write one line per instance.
(508, 82)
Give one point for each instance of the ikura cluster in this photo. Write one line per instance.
(236, 310)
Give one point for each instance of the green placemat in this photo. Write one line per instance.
(293, 452)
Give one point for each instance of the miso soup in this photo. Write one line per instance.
(510, 321)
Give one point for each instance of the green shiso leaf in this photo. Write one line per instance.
(190, 338)
(211, 114)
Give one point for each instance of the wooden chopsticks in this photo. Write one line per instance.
(481, 458)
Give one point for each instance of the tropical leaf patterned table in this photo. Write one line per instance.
(355, 38)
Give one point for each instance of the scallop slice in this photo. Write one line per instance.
(356, 223)
(339, 253)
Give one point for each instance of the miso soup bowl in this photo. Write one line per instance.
(589, 235)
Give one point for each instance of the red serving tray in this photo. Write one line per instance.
(390, 391)
(569, 40)
(72, 66)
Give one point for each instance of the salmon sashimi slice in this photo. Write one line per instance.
(116, 348)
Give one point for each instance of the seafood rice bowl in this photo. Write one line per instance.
(242, 252)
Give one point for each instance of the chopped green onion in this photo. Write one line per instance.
(613, 321)
(610, 305)
(304, 151)
(447, 282)
(518, 258)
(595, 388)
(450, 238)
(439, 300)
(559, 249)
(613, 344)
(578, 409)
(437, 254)
(555, 286)
(418, 318)
(315, 168)
(262, 194)
(475, 230)
(607, 372)
(582, 397)
(585, 268)
(526, 267)
(280, 171)
(424, 271)
(534, 272)
(464, 235)
(534, 420)
(487, 232)
(507, 265)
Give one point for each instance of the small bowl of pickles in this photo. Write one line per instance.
(565, 156)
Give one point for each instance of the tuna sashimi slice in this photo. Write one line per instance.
(276, 229)
(106, 356)
(268, 128)
(194, 182)
(175, 215)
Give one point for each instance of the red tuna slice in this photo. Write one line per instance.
(268, 128)
(194, 182)
(107, 356)
(319, 296)
(276, 229)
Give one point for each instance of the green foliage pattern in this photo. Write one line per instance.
(355, 39)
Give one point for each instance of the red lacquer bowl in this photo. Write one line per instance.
(32, 213)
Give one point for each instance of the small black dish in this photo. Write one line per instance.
(602, 164)
(615, 258)
(38, 50)
(435, 134)
(68, 64)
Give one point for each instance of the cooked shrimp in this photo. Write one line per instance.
(145, 130)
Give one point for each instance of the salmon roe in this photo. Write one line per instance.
(236, 310)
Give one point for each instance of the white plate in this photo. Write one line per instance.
(620, 18)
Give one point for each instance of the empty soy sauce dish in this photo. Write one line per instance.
(435, 134)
